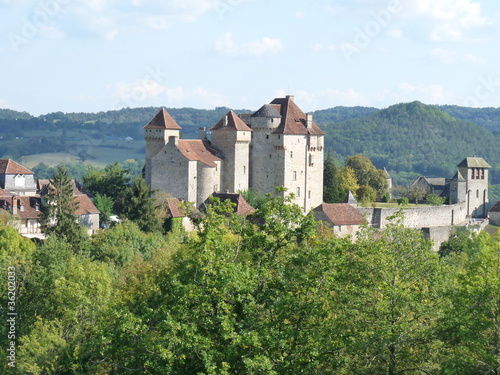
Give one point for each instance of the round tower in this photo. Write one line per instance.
(263, 156)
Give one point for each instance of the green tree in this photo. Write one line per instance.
(331, 189)
(57, 216)
(470, 325)
(392, 314)
(367, 174)
(112, 181)
(347, 181)
(137, 205)
(435, 200)
(105, 206)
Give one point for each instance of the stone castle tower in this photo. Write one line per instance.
(470, 185)
(287, 150)
(278, 145)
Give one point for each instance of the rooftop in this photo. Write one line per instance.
(8, 166)
(162, 120)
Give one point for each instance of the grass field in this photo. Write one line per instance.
(492, 229)
(99, 156)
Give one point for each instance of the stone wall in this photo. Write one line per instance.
(495, 218)
(418, 217)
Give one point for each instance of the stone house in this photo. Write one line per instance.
(87, 213)
(494, 214)
(343, 218)
(278, 145)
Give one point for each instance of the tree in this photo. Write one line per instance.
(137, 205)
(367, 174)
(57, 216)
(470, 324)
(392, 314)
(105, 206)
(347, 181)
(435, 200)
(331, 189)
(112, 181)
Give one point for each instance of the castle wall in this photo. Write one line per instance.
(173, 173)
(495, 218)
(235, 146)
(266, 162)
(418, 217)
(437, 235)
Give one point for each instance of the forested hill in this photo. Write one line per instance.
(413, 137)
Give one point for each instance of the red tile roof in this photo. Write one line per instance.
(341, 213)
(8, 166)
(173, 207)
(29, 204)
(234, 123)
(200, 150)
(242, 207)
(162, 120)
(293, 120)
(85, 205)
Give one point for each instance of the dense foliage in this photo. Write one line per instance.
(267, 294)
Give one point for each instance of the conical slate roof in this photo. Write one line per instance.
(350, 199)
(267, 110)
(162, 120)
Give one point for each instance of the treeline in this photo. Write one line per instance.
(268, 294)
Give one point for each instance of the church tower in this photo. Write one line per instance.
(475, 173)
(159, 131)
(231, 136)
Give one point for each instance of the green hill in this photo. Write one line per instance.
(413, 137)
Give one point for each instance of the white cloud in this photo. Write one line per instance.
(452, 20)
(49, 32)
(266, 46)
(449, 57)
(327, 98)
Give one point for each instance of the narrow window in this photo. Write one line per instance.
(291, 154)
(294, 175)
(477, 193)
(298, 192)
(267, 136)
(482, 173)
(309, 194)
(244, 169)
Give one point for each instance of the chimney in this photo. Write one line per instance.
(309, 121)
(202, 133)
(14, 205)
(291, 97)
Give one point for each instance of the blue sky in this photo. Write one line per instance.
(95, 55)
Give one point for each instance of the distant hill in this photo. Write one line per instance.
(413, 137)
(488, 118)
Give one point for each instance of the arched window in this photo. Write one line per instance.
(477, 193)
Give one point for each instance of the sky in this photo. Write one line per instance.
(98, 55)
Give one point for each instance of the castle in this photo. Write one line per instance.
(279, 145)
